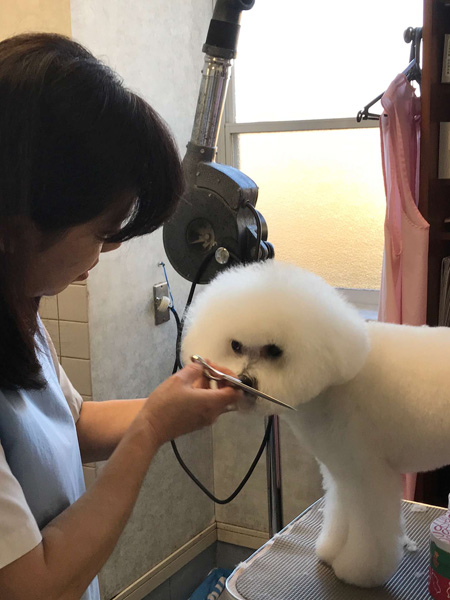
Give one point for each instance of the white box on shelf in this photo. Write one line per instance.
(444, 150)
(446, 60)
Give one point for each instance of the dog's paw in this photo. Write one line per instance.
(327, 549)
(365, 576)
(363, 569)
(332, 538)
(408, 543)
(325, 553)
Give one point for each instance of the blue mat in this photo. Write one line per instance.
(212, 586)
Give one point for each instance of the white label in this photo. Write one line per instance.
(444, 150)
(446, 60)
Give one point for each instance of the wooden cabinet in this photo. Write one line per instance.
(434, 201)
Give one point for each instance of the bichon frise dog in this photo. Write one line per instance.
(372, 399)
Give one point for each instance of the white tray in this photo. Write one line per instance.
(267, 574)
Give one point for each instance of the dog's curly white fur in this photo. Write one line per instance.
(372, 398)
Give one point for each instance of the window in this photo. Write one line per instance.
(301, 75)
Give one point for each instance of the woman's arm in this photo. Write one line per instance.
(102, 425)
(78, 542)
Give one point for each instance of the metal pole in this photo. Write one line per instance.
(274, 488)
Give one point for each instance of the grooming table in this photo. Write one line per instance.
(286, 567)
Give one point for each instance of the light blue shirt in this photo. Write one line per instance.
(39, 439)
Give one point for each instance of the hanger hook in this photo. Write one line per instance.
(408, 35)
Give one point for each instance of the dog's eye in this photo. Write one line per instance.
(272, 351)
(236, 346)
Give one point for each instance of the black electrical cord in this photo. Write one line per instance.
(174, 446)
(243, 482)
(178, 365)
(180, 322)
(205, 262)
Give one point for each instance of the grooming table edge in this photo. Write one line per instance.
(408, 583)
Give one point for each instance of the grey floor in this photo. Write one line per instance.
(181, 585)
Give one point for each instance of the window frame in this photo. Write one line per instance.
(366, 300)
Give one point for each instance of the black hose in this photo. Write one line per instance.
(243, 482)
(178, 365)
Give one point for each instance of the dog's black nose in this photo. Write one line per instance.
(250, 381)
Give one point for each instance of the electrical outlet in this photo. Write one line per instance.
(160, 290)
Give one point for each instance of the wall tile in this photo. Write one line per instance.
(74, 339)
(48, 307)
(222, 555)
(186, 581)
(72, 304)
(229, 555)
(162, 592)
(79, 373)
(169, 512)
(52, 326)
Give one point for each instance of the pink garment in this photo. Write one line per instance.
(403, 294)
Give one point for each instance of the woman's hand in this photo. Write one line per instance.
(185, 402)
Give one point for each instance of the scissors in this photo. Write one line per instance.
(216, 375)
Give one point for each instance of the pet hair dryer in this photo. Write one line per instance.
(213, 225)
(213, 217)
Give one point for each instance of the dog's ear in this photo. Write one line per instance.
(332, 341)
(327, 363)
(202, 324)
(349, 345)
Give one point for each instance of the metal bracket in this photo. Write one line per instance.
(274, 481)
(159, 291)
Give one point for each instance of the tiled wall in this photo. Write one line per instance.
(66, 318)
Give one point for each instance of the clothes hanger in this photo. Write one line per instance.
(412, 72)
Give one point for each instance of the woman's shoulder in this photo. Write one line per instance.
(73, 398)
(46, 346)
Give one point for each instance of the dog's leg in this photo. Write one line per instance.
(373, 548)
(406, 541)
(335, 521)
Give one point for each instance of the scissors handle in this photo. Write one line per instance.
(217, 375)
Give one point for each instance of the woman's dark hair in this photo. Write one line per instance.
(74, 143)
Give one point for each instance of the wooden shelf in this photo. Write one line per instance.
(434, 202)
(440, 101)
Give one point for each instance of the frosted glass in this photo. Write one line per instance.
(311, 60)
(322, 195)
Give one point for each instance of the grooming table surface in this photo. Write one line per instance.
(286, 567)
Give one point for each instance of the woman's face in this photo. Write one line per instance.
(53, 267)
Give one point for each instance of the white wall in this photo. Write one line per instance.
(156, 47)
(20, 16)
(236, 441)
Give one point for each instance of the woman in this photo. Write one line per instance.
(84, 165)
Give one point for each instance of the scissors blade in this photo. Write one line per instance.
(216, 374)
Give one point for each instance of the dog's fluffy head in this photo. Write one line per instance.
(284, 327)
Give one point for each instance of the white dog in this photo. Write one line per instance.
(372, 399)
